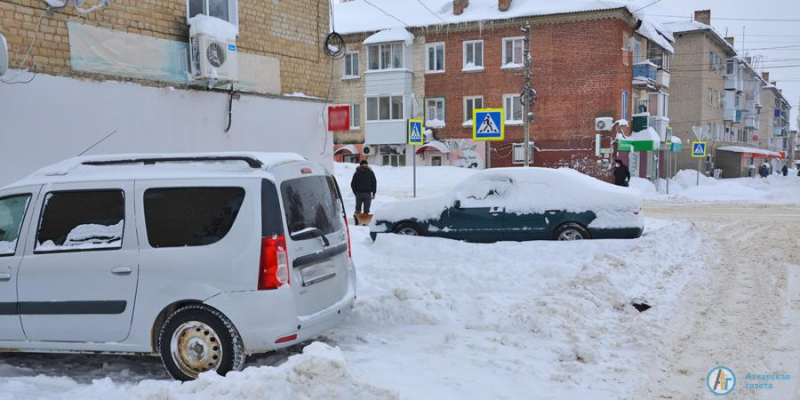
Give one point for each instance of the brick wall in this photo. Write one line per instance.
(291, 30)
(579, 72)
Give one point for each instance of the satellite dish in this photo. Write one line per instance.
(3, 55)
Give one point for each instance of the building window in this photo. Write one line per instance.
(434, 112)
(513, 109)
(385, 56)
(710, 97)
(355, 116)
(226, 10)
(385, 108)
(435, 57)
(513, 50)
(730, 67)
(350, 66)
(473, 55)
(471, 104)
(625, 105)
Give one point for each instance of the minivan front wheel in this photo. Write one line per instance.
(197, 339)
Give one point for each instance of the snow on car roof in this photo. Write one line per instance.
(529, 190)
(158, 166)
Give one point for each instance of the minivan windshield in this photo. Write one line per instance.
(312, 202)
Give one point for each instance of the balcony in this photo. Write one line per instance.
(663, 78)
(733, 115)
(752, 122)
(660, 124)
(645, 70)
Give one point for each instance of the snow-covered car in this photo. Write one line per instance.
(519, 204)
(199, 258)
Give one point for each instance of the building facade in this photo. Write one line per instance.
(124, 71)
(464, 61)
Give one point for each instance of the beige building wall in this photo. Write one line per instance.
(293, 31)
(766, 133)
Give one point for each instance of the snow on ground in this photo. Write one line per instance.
(683, 188)
(442, 319)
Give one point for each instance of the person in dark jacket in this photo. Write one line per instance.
(785, 170)
(763, 171)
(364, 186)
(622, 175)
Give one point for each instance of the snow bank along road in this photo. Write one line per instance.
(440, 319)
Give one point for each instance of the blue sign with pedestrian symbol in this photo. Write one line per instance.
(488, 124)
(416, 136)
(699, 149)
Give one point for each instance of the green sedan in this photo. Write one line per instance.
(519, 204)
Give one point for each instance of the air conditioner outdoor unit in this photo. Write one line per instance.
(603, 124)
(213, 59)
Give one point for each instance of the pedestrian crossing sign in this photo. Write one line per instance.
(699, 149)
(416, 136)
(488, 124)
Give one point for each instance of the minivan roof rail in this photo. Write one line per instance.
(251, 161)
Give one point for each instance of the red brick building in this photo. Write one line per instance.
(471, 57)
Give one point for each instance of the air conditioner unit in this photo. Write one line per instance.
(603, 124)
(213, 59)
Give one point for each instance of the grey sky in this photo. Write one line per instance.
(751, 37)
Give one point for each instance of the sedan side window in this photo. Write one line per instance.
(12, 212)
(483, 193)
(81, 220)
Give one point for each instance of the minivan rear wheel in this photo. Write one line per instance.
(197, 339)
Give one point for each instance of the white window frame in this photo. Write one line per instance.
(468, 118)
(357, 65)
(464, 55)
(355, 123)
(428, 55)
(233, 11)
(427, 109)
(390, 97)
(509, 114)
(380, 47)
(626, 97)
(513, 65)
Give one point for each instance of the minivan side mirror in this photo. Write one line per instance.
(457, 204)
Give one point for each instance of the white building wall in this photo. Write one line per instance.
(53, 118)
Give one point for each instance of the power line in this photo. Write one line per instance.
(734, 19)
(431, 11)
(642, 8)
(386, 13)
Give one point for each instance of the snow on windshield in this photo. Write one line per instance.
(90, 236)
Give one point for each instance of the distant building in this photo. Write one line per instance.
(126, 70)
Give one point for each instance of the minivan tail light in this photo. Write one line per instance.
(273, 269)
(349, 254)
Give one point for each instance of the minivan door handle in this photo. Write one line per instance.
(5, 277)
(122, 271)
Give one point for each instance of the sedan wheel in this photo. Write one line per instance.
(408, 229)
(570, 234)
(571, 231)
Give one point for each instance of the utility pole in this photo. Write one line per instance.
(528, 95)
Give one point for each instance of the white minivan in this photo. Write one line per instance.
(199, 258)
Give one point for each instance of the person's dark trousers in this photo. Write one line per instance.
(365, 200)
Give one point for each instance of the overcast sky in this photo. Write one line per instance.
(752, 36)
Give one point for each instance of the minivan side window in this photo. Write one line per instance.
(312, 202)
(81, 220)
(194, 216)
(12, 212)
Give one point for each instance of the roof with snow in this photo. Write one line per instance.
(361, 16)
(391, 35)
(693, 26)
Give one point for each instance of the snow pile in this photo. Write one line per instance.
(213, 27)
(774, 189)
(522, 191)
(391, 35)
(508, 319)
(89, 236)
(321, 372)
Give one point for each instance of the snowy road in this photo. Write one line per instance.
(747, 316)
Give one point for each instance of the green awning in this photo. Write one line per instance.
(638, 145)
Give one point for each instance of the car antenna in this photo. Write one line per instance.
(98, 142)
